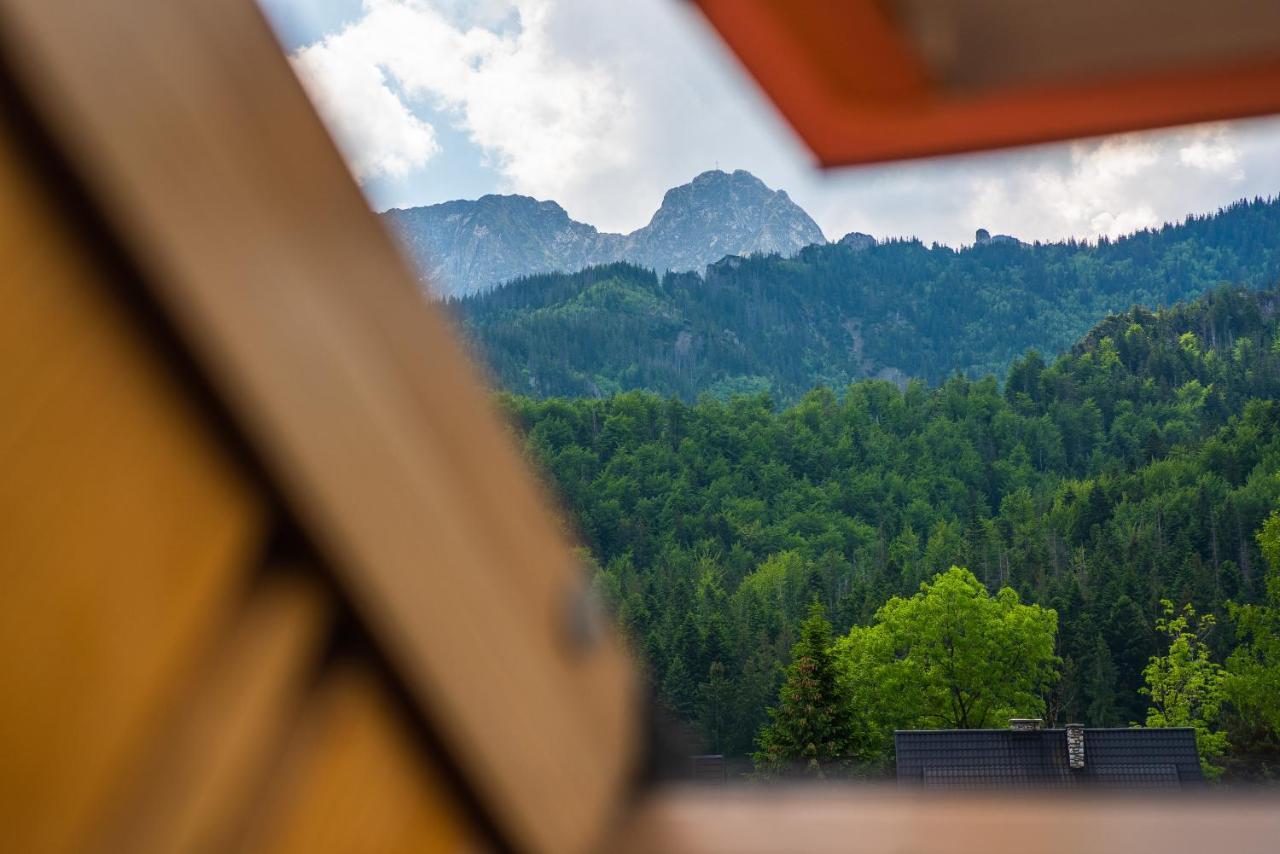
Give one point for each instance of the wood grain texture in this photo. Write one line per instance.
(124, 530)
(818, 820)
(195, 786)
(188, 127)
(353, 780)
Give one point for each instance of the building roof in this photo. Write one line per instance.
(1002, 758)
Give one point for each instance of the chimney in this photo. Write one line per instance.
(1075, 745)
(1026, 724)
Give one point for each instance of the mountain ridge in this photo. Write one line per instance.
(463, 247)
(835, 313)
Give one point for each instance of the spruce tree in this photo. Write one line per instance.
(811, 730)
(715, 709)
(1100, 684)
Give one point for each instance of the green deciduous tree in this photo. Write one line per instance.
(1253, 670)
(1185, 686)
(811, 730)
(951, 656)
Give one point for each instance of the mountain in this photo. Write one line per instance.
(839, 312)
(464, 247)
(719, 214)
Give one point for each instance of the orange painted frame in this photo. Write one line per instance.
(789, 48)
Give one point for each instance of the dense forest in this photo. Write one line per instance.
(837, 313)
(1107, 487)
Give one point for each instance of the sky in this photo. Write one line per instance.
(603, 105)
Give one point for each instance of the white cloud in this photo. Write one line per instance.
(603, 106)
(1086, 189)
(1212, 149)
(377, 132)
(547, 123)
(554, 125)
(1093, 195)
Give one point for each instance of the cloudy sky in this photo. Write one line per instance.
(602, 106)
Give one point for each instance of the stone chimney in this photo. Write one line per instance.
(1075, 745)
(1026, 724)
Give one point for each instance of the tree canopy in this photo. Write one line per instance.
(1135, 467)
(950, 657)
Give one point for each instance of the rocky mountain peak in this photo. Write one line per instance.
(717, 188)
(717, 214)
(462, 247)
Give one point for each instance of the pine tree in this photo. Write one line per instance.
(1101, 686)
(811, 730)
(715, 709)
(678, 689)
(1130, 639)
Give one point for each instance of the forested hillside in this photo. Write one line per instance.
(840, 312)
(1138, 466)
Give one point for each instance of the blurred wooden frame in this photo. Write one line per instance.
(182, 128)
(185, 127)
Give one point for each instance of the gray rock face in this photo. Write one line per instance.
(982, 237)
(463, 247)
(719, 214)
(857, 241)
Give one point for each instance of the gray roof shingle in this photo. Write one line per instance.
(1001, 758)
